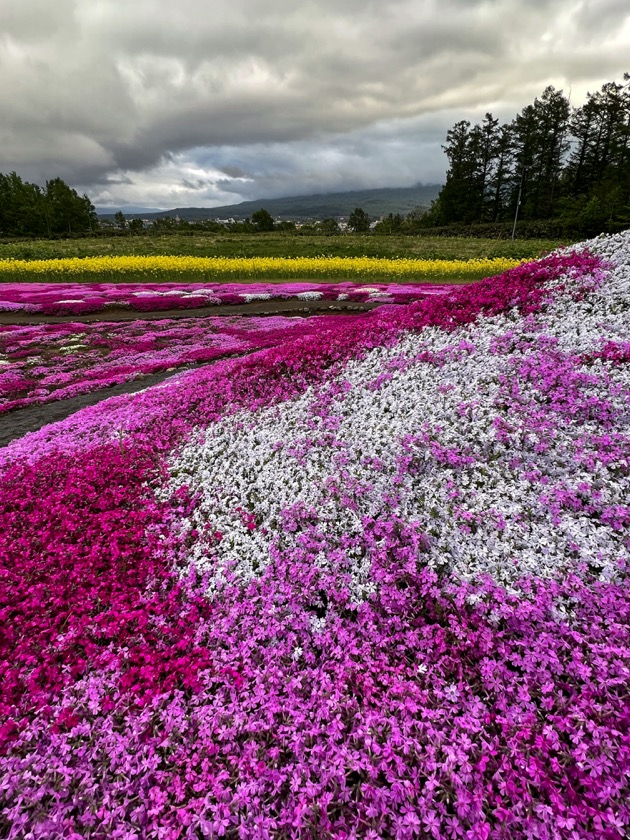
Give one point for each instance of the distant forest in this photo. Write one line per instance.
(28, 210)
(566, 169)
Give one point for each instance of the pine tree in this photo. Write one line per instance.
(492, 167)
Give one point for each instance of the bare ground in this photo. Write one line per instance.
(258, 308)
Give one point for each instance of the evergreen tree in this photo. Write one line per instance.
(552, 118)
(262, 220)
(68, 212)
(454, 199)
(600, 161)
(499, 186)
(358, 220)
(486, 149)
(537, 143)
(477, 170)
(572, 166)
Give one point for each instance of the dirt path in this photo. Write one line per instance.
(259, 307)
(20, 422)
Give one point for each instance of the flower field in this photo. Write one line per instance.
(177, 268)
(370, 582)
(45, 363)
(81, 299)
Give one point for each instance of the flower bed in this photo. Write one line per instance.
(371, 582)
(41, 364)
(155, 268)
(65, 298)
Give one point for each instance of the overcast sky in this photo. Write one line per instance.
(165, 103)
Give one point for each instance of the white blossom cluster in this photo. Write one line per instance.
(250, 298)
(397, 436)
(309, 295)
(607, 308)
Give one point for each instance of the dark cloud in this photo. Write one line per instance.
(234, 171)
(277, 95)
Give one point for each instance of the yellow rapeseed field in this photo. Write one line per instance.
(157, 268)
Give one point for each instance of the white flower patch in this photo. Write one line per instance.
(605, 314)
(309, 295)
(71, 348)
(399, 436)
(250, 298)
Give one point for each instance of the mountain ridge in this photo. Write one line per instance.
(375, 202)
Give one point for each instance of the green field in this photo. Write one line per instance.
(280, 245)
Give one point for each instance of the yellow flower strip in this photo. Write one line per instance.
(157, 268)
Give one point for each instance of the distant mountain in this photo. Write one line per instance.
(107, 212)
(376, 203)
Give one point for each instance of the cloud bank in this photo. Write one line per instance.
(209, 103)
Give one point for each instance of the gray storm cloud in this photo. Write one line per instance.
(156, 101)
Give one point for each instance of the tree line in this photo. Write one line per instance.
(552, 163)
(58, 210)
(261, 221)
(28, 210)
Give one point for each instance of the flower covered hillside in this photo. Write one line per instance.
(368, 583)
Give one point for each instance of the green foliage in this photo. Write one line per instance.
(358, 220)
(66, 210)
(22, 208)
(27, 210)
(136, 227)
(556, 164)
(262, 220)
(428, 245)
(285, 225)
(329, 227)
(394, 223)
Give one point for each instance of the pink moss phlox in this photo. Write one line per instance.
(134, 707)
(81, 582)
(58, 361)
(84, 298)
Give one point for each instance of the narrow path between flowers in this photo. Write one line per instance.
(265, 307)
(20, 422)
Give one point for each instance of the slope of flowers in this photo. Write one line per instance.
(368, 583)
(80, 298)
(152, 268)
(40, 364)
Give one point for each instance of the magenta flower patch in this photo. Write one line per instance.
(86, 298)
(50, 362)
